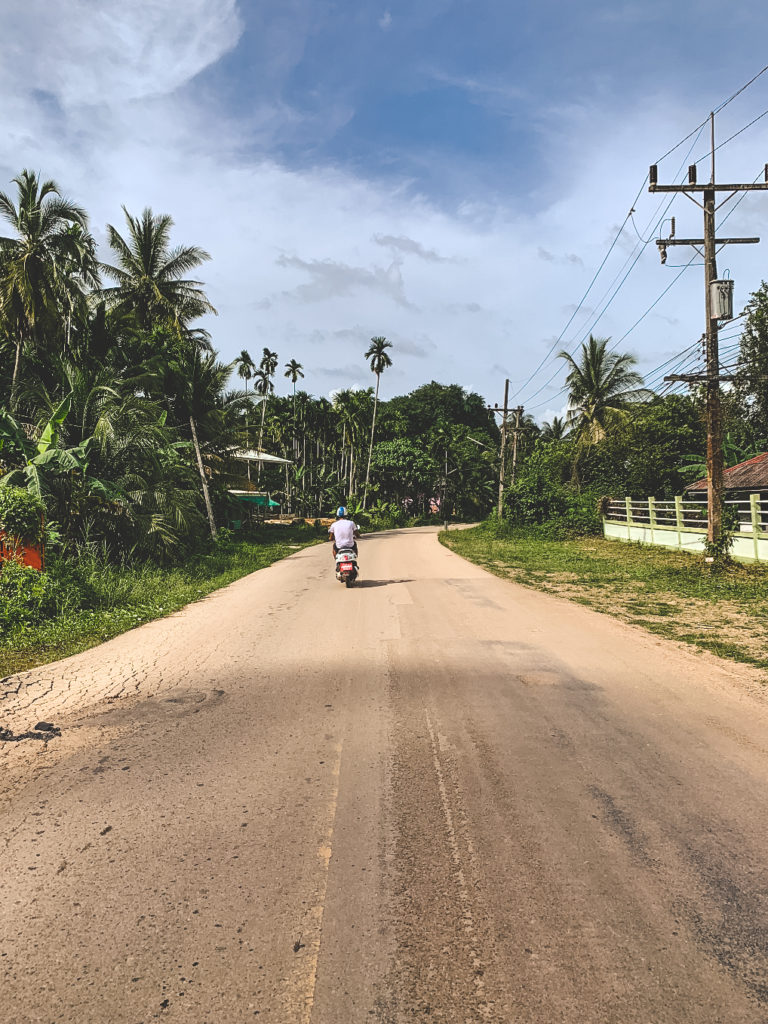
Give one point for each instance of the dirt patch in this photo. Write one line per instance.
(723, 627)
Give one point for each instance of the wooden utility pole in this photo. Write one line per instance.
(708, 247)
(505, 411)
(518, 415)
(503, 453)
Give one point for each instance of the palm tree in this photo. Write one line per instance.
(601, 385)
(352, 409)
(33, 261)
(246, 370)
(269, 362)
(294, 370)
(150, 275)
(263, 386)
(197, 380)
(377, 353)
(554, 431)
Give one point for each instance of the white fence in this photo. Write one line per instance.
(682, 524)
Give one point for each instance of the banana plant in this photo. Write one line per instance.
(43, 458)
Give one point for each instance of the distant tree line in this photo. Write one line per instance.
(117, 413)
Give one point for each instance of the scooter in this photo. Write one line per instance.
(346, 566)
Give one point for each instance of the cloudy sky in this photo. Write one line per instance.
(448, 173)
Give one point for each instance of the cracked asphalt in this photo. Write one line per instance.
(437, 796)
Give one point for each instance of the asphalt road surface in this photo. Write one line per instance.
(434, 797)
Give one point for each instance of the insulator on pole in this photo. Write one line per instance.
(692, 174)
(653, 173)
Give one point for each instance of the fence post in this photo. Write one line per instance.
(628, 506)
(754, 509)
(652, 515)
(679, 520)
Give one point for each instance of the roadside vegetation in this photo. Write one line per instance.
(672, 594)
(78, 603)
(123, 432)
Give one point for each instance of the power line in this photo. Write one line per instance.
(741, 90)
(725, 142)
(694, 133)
(586, 293)
(680, 356)
(717, 110)
(655, 220)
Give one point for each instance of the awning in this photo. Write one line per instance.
(255, 498)
(250, 455)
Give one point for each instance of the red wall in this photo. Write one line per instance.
(32, 556)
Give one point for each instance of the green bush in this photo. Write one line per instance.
(27, 596)
(556, 510)
(21, 515)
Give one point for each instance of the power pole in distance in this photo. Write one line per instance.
(505, 411)
(712, 377)
(503, 452)
(518, 415)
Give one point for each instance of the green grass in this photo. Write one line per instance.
(671, 594)
(99, 600)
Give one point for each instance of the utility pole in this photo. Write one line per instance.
(445, 492)
(518, 414)
(711, 246)
(503, 452)
(505, 411)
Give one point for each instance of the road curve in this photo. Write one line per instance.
(437, 796)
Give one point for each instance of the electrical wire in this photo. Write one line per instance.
(695, 132)
(684, 359)
(730, 138)
(741, 90)
(656, 220)
(648, 310)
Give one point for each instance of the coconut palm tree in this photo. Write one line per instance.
(601, 386)
(150, 275)
(34, 261)
(377, 353)
(554, 431)
(197, 380)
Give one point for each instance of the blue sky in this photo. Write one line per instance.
(448, 173)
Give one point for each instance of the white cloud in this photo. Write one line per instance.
(300, 258)
(86, 53)
(403, 244)
(385, 21)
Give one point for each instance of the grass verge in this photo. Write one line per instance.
(669, 593)
(100, 600)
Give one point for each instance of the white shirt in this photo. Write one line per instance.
(343, 533)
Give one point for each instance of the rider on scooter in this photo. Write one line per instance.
(343, 532)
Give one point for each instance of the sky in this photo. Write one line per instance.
(449, 174)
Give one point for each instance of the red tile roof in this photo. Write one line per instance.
(751, 475)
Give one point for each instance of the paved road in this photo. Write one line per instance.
(435, 797)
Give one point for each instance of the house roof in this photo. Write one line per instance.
(751, 475)
(255, 498)
(251, 456)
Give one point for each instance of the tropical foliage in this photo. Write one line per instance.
(119, 418)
